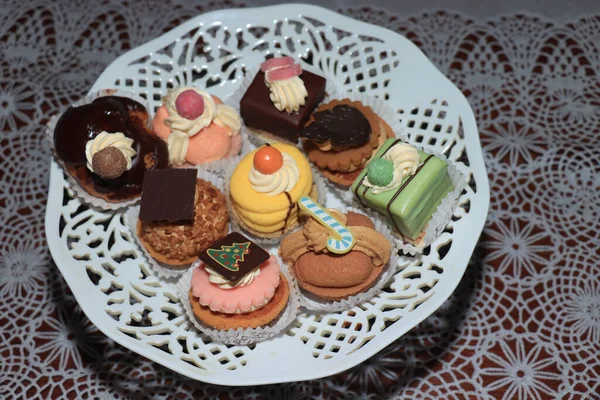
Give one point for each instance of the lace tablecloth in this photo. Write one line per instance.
(524, 322)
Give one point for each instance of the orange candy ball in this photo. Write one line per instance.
(268, 160)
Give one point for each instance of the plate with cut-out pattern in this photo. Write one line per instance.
(116, 287)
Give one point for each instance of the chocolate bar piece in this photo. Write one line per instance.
(234, 256)
(410, 206)
(258, 111)
(168, 195)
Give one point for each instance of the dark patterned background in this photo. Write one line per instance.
(525, 320)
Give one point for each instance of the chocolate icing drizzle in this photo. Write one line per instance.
(289, 211)
(343, 126)
(395, 196)
(112, 114)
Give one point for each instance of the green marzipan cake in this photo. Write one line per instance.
(409, 207)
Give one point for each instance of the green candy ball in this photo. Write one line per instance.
(380, 172)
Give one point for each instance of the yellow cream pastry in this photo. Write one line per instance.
(265, 187)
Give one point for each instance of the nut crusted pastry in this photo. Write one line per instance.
(180, 243)
(336, 276)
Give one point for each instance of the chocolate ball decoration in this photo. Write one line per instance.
(109, 163)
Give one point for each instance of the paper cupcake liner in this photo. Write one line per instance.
(162, 269)
(77, 189)
(235, 99)
(240, 336)
(440, 218)
(318, 180)
(315, 303)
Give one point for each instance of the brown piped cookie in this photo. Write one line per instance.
(260, 317)
(339, 277)
(179, 243)
(341, 135)
(336, 276)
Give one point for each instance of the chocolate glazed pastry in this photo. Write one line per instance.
(343, 126)
(258, 112)
(80, 124)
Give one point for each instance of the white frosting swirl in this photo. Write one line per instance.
(219, 280)
(104, 140)
(177, 143)
(406, 161)
(288, 94)
(284, 180)
(228, 117)
(190, 126)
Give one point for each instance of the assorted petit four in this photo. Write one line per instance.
(197, 127)
(237, 284)
(265, 187)
(335, 258)
(335, 255)
(281, 99)
(341, 136)
(180, 216)
(405, 185)
(106, 147)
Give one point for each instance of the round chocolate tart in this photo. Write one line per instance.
(80, 124)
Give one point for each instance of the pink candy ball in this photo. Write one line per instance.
(189, 104)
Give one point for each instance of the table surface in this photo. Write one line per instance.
(525, 320)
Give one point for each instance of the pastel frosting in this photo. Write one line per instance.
(241, 299)
(215, 141)
(263, 213)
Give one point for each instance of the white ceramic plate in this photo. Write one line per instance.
(114, 284)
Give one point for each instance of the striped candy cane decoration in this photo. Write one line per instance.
(343, 240)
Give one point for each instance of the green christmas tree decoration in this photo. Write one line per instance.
(229, 257)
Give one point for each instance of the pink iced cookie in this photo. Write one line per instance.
(210, 144)
(242, 298)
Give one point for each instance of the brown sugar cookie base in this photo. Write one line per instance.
(261, 317)
(161, 258)
(340, 293)
(88, 187)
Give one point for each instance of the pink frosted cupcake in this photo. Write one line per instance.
(197, 127)
(237, 285)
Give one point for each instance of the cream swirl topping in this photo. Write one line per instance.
(177, 143)
(288, 94)
(219, 280)
(283, 180)
(405, 159)
(105, 139)
(228, 117)
(190, 126)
